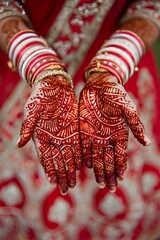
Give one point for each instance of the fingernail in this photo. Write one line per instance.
(17, 143)
(102, 185)
(121, 178)
(112, 190)
(51, 180)
(78, 166)
(63, 193)
(72, 183)
(89, 164)
(147, 140)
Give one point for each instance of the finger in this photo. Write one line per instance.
(136, 126)
(46, 159)
(69, 165)
(77, 151)
(98, 165)
(77, 155)
(109, 166)
(27, 130)
(120, 149)
(60, 169)
(86, 150)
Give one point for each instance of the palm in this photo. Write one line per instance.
(106, 111)
(52, 119)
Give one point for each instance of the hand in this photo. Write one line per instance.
(106, 112)
(51, 118)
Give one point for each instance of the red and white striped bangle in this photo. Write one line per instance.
(134, 40)
(121, 53)
(37, 59)
(116, 61)
(119, 45)
(18, 37)
(130, 46)
(105, 66)
(17, 57)
(31, 55)
(43, 64)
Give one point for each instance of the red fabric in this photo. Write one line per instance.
(105, 31)
(42, 14)
(29, 207)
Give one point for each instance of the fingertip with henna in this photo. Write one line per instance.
(72, 183)
(112, 189)
(20, 143)
(147, 141)
(102, 185)
(63, 192)
(89, 164)
(78, 166)
(121, 177)
(52, 180)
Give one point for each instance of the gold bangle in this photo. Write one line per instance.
(95, 69)
(53, 72)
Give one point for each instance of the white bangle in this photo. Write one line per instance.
(17, 41)
(27, 56)
(121, 52)
(132, 39)
(22, 44)
(116, 60)
(33, 54)
(126, 43)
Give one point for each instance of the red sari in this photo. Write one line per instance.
(29, 207)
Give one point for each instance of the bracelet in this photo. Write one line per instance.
(94, 69)
(129, 45)
(119, 55)
(118, 45)
(107, 66)
(53, 72)
(124, 56)
(30, 55)
(20, 36)
(117, 62)
(135, 40)
(37, 69)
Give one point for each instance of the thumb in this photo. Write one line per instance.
(27, 130)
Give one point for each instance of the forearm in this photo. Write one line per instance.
(29, 53)
(138, 29)
(8, 28)
(143, 18)
(144, 28)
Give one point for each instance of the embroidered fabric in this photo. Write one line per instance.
(12, 8)
(146, 9)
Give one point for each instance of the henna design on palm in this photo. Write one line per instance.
(51, 118)
(106, 111)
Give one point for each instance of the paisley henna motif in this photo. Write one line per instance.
(51, 117)
(106, 111)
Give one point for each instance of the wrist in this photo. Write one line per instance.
(60, 75)
(100, 78)
(119, 55)
(33, 58)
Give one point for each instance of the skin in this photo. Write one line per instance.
(103, 139)
(106, 112)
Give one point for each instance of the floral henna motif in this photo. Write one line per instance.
(106, 112)
(51, 117)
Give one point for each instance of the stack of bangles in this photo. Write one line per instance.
(33, 59)
(119, 55)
